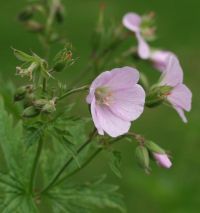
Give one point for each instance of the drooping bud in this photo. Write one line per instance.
(142, 156)
(157, 95)
(59, 14)
(21, 92)
(162, 160)
(30, 112)
(26, 14)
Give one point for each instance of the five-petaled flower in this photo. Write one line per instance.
(116, 99)
(162, 160)
(179, 94)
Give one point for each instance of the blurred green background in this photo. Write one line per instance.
(176, 190)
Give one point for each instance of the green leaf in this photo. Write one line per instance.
(115, 163)
(85, 197)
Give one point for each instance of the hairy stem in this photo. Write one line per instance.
(73, 91)
(57, 176)
(35, 164)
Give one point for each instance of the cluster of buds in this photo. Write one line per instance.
(34, 16)
(150, 150)
(40, 106)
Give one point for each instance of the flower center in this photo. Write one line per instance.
(103, 96)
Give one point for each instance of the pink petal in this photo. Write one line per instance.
(181, 97)
(132, 22)
(160, 59)
(181, 113)
(101, 80)
(162, 160)
(122, 78)
(110, 123)
(143, 47)
(95, 118)
(129, 103)
(173, 74)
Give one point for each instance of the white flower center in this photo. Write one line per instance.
(103, 96)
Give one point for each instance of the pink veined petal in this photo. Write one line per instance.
(95, 117)
(181, 97)
(143, 47)
(173, 75)
(99, 81)
(128, 104)
(123, 78)
(132, 22)
(160, 59)
(110, 123)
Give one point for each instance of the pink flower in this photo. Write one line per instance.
(162, 160)
(116, 99)
(132, 21)
(160, 59)
(180, 96)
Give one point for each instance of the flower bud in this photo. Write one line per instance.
(26, 14)
(28, 100)
(142, 156)
(162, 160)
(40, 103)
(30, 112)
(21, 92)
(45, 106)
(49, 107)
(59, 14)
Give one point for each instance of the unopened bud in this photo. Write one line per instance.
(49, 107)
(30, 112)
(40, 103)
(21, 92)
(26, 14)
(162, 160)
(142, 156)
(29, 99)
(59, 15)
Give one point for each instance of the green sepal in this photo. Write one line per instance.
(153, 147)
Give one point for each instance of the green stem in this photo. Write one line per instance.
(57, 176)
(73, 91)
(87, 161)
(35, 164)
